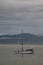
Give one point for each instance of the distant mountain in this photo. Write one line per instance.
(18, 38)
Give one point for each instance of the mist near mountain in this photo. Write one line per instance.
(26, 38)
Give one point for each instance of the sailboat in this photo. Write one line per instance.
(24, 51)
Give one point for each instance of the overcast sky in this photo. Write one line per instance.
(21, 14)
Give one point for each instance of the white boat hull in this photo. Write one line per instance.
(30, 52)
(24, 52)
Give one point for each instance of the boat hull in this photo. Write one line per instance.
(24, 52)
(30, 52)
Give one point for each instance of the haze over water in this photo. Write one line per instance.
(8, 57)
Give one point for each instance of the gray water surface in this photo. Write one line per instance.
(8, 57)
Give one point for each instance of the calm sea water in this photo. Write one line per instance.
(8, 57)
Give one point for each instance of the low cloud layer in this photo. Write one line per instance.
(18, 14)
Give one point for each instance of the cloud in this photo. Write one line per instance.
(17, 14)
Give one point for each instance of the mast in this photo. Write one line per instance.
(22, 46)
(22, 40)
